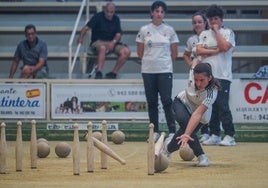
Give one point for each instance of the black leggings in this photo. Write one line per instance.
(182, 116)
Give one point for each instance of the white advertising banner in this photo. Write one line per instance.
(22, 101)
(98, 101)
(249, 101)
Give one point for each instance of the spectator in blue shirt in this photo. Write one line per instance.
(33, 53)
(105, 38)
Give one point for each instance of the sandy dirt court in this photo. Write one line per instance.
(241, 166)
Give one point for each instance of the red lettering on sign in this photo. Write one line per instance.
(265, 96)
(257, 99)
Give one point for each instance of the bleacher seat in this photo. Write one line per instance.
(55, 21)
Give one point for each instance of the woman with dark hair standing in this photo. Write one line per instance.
(192, 109)
(157, 47)
(216, 47)
(200, 23)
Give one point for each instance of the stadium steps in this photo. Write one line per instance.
(55, 20)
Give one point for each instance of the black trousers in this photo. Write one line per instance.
(182, 116)
(221, 113)
(154, 84)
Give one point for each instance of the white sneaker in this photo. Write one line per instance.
(228, 141)
(169, 138)
(203, 161)
(165, 151)
(156, 136)
(166, 142)
(203, 138)
(213, 140)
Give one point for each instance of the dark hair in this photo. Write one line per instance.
(158, 4)
(202, 14)
(205, 68)
(214, 10)
(29, 26)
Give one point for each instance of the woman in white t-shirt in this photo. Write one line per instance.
(216, 47)
(192, 109)
(200, 23)
(157, 47)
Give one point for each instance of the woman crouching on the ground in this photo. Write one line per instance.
(192, 109)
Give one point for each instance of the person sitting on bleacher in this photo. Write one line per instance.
(105, 39)
(33, 53)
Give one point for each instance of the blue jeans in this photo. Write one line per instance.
(221, 112)
(154, 84)
(182, 116)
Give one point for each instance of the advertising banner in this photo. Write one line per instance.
(82, 126)
(22, 101)
(249, 101)
(98, 101)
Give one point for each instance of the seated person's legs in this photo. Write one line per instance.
(26, 72)
(100, 48)
(123, 53)
(121, 50)
(43, 72)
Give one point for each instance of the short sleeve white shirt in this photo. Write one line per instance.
(157, 41)
(192, 98)
(221, 63)
(191, 45)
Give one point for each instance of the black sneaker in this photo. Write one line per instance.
(111, 75)
(98, 75)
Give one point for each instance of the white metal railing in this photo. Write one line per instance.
(72, 60)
